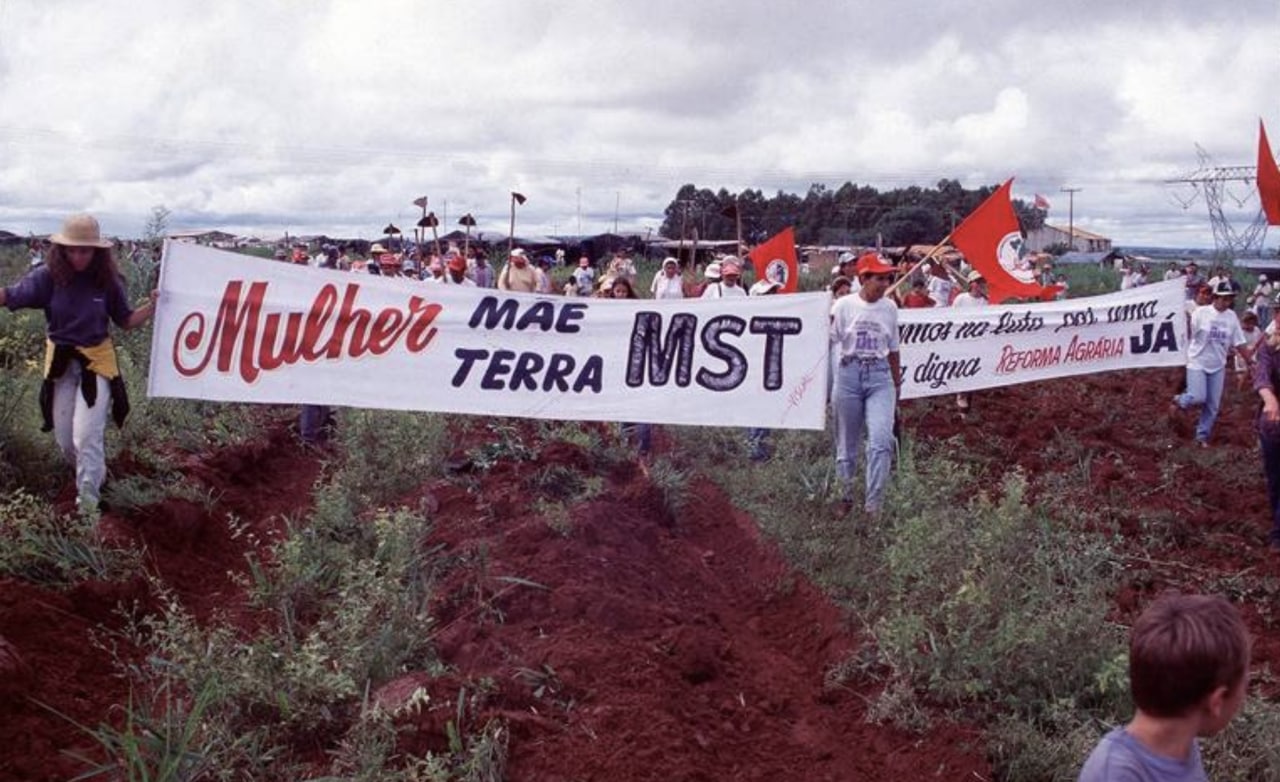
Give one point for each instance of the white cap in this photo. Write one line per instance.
(762, 287)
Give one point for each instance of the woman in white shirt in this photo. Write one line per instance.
(865, 332)
(667, 283)
(1215, 332)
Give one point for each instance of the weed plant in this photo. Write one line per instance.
(39, 545)
(347, 616)
(385, 453)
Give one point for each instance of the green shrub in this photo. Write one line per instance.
(385, 453)
(348, 613)
(992, 600)
(39, 545)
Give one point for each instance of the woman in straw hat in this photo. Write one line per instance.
(80, 290)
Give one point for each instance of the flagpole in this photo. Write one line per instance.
(937, 248)
(511, 236)
(737, 215)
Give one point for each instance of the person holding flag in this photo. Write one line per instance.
(865, 333)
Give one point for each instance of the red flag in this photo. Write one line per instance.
(1042, 202)
(775, 259)
(1268, 178)
(991, 241)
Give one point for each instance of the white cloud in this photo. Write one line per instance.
(332, 116)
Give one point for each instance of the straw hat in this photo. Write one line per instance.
(80, 231)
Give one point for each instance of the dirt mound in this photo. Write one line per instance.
(629, 647)
(62, 636)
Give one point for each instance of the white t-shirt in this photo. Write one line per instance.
(664, 287)
(718, 290)
(940, 290)
(967, 299)
(865, 330)
(1213, 335)
(585, 279)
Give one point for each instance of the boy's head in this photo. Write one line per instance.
(1189, 652)
(1249, 320)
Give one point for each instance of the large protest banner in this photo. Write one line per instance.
(950, 349)
(231, 327)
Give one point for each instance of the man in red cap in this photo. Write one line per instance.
(865, 332)
(456, 272)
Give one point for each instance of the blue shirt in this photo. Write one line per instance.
(78, 312)
(1119, 757)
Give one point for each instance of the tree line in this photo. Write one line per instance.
(849, 215)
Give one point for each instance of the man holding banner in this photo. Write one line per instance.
(865, 332)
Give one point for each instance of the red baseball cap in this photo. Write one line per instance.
(872, 263)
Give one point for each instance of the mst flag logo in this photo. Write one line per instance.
(1009, 254)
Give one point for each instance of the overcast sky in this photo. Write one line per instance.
(313, 116)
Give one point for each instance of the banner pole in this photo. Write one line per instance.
(937, 248)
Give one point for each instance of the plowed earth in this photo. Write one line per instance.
(639, 646)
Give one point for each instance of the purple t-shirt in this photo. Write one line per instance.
(77, 313)
(1119, 757)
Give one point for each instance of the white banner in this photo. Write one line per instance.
(231, 327)
(948, 350)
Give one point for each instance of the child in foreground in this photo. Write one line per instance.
(1188, 670)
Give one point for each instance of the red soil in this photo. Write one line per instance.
(642, 646)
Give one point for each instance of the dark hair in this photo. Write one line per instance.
(839, 281)
(623, 281)
(1182, 648)
(102, 267)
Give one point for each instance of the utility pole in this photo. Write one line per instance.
(684, 226)
(1071, 215)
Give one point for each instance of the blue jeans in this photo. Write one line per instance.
(758, 443)
(865, 397)
(1269, 439)
(641, 434)
(314, 424)
(1205, 389)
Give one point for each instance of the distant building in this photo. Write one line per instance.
(1047, 236)
(208, 237)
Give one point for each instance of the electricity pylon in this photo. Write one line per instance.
(1213, 183)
